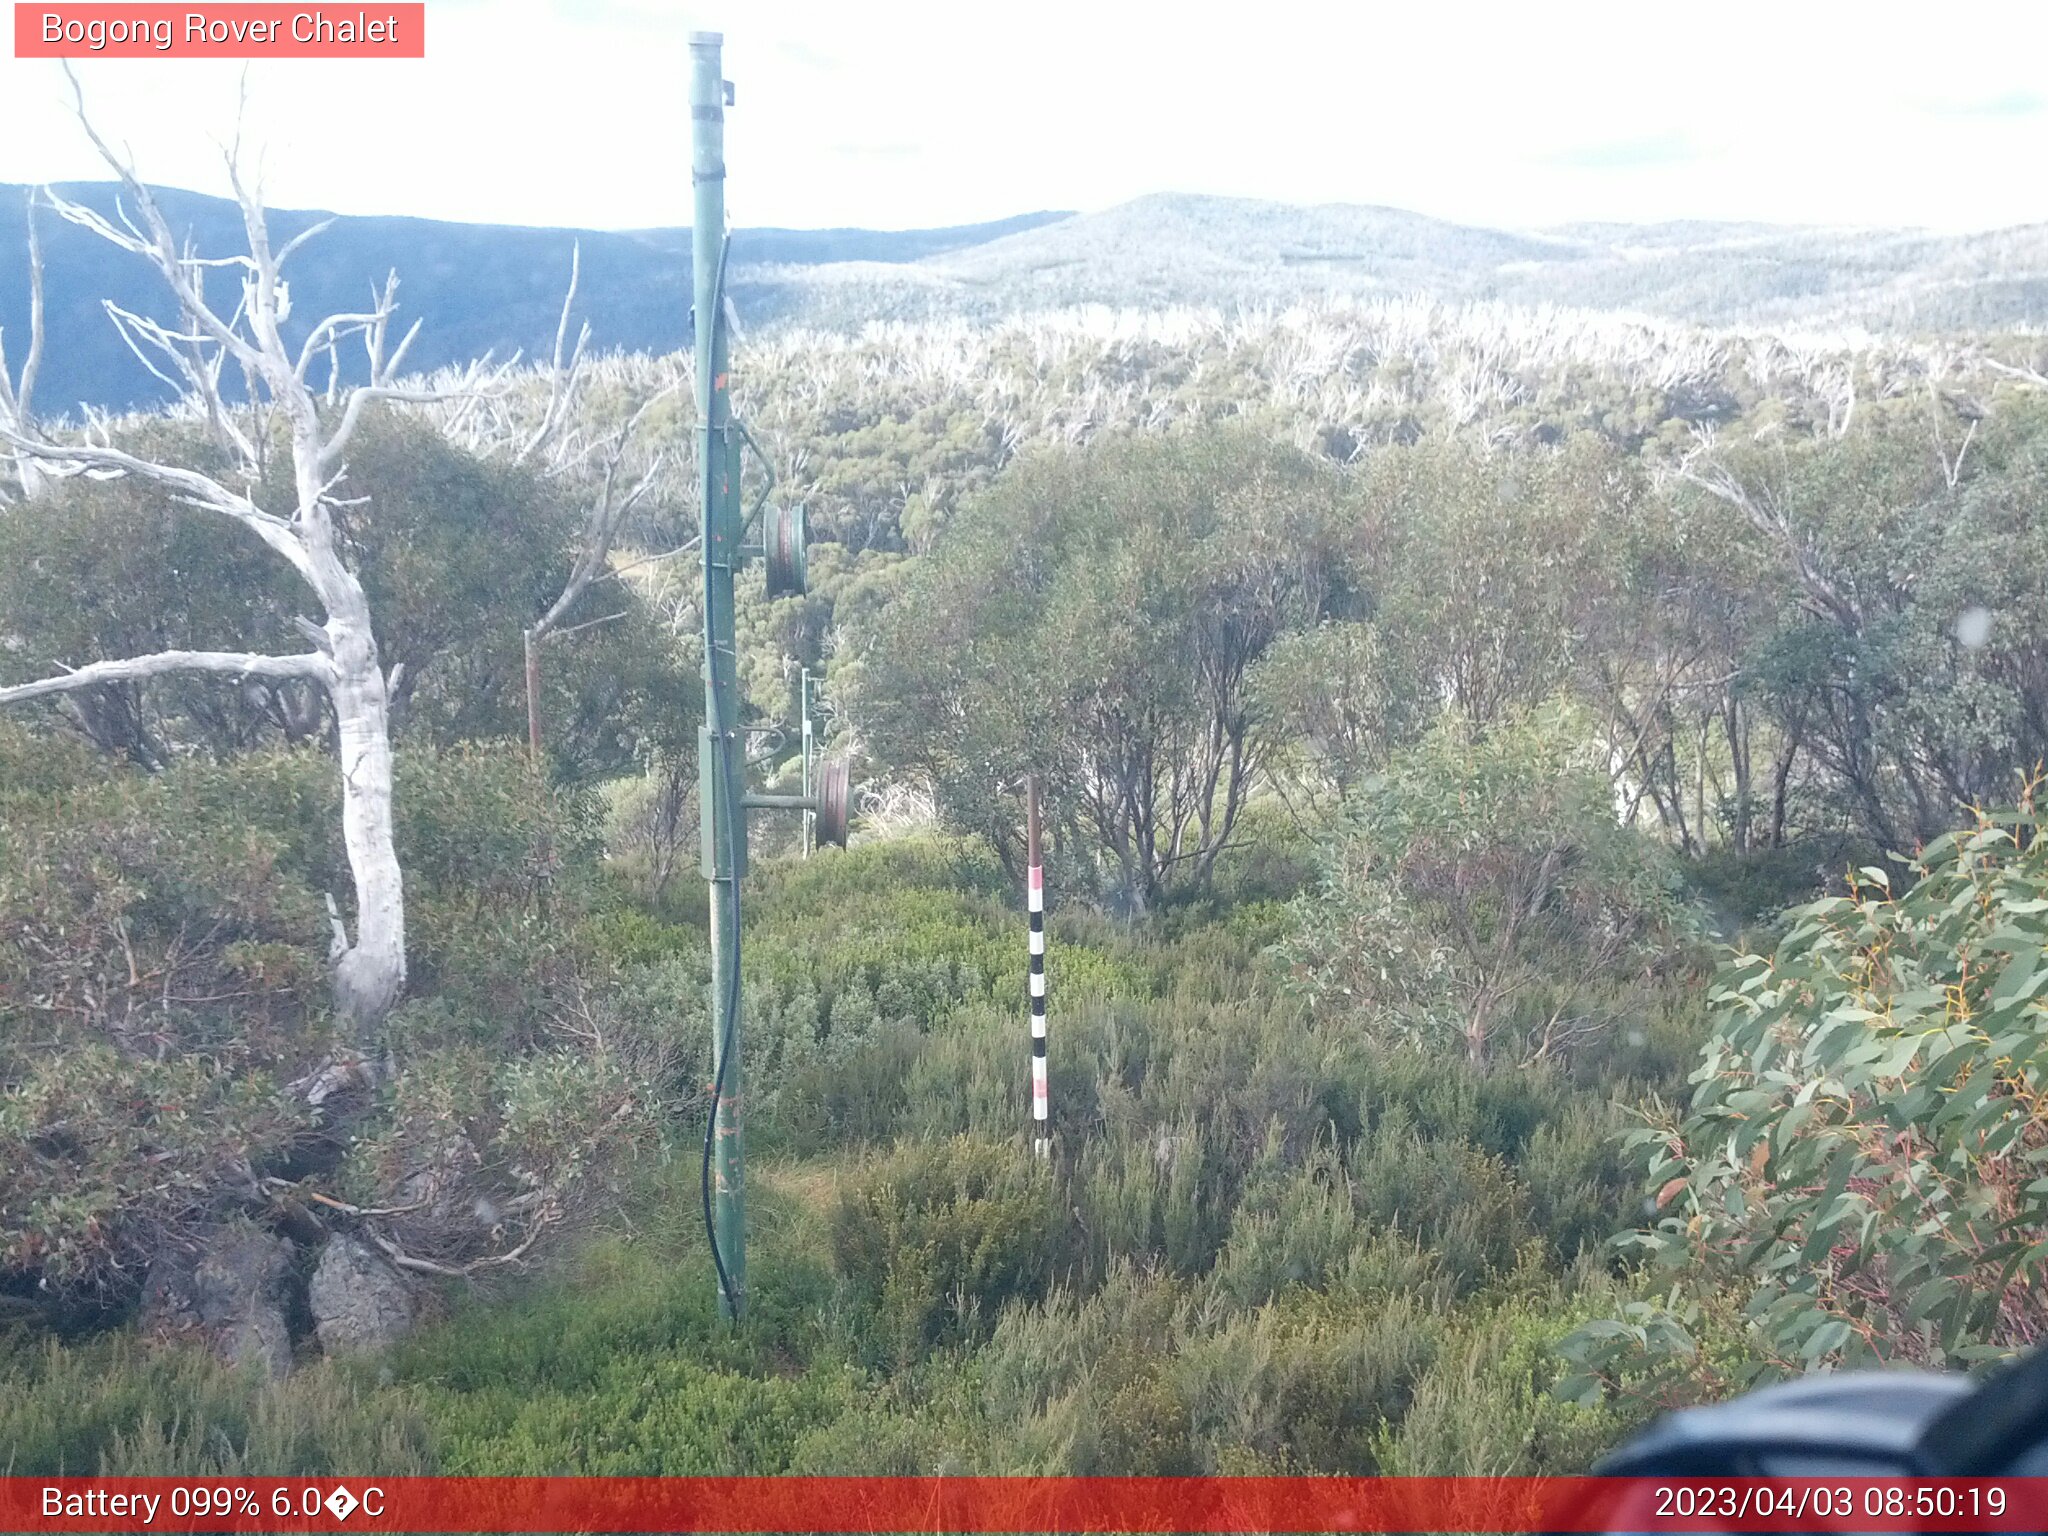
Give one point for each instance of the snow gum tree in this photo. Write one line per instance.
(315, 426)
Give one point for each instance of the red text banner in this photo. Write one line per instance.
(1021, 1504)
(220, 31)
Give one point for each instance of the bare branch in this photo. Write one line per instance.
(569, 299)
(1954, 469)
(17, 404)
(351, 415)
(135, 668)
(562, 381)
(607, 513)
(390, 370)
(265, 312)
(346, 1209)
(2025, 375)
(86, 218)
(183, 271)
(577, 629)
(404, 1260)
(197, 489)
(618, 572)
(338, 930)
(329, 331)
(130, 327)
(301, 238)
(158, 244)
(200, 371)
(24, 397)
(203, 489)
(384, 305)
(1768, 519)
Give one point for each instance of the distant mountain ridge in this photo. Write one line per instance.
(499, 288)
(1175, 249)
(480, 287)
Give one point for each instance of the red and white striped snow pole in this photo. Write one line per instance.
(1035, 903)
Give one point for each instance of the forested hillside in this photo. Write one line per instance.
(1546, 911)
(1238, 251)
(490, 288)
(495, 289)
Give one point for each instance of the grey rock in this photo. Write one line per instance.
(359, 1301)
(229, 1290)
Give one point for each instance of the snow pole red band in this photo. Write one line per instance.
(1020, 1504)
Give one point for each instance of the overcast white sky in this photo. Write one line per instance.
(898, 113)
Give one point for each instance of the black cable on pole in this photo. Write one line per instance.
(732, 815)
(726, 1038)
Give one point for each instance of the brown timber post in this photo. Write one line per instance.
(532, 695)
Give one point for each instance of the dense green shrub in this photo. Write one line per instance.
(1454, 1199)
(935, 1236)
(899, 1436)
(1340, 1228)
(664, 1415)
(1050, 1365)
(162, 990)
(1487, 1408)
(160, 982)
(1142, 1376)
(456, 555)
(1298, 1228)
(1577, 1177)
(1858, 1162)
(118, 1408)
(885, 986)
(1480, 890)
(1091, 619)
(1305, 1385)
(1148, 1196)
(1247, 1256)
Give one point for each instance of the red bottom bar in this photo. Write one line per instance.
(1021, 1504)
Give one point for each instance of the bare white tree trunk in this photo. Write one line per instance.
(558, 450)
(369, 971)
(17, 400)
(370, 975)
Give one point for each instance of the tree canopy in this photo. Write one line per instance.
(1094, 618)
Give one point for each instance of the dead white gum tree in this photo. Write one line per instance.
(553, 448)
(17, 398)
(368, 968)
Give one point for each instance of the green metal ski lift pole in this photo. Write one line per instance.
(723, 800)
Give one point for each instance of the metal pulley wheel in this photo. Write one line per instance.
(835, 791)
(782, 549)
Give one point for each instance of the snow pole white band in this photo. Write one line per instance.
(1039, 1095)
(1035, 905)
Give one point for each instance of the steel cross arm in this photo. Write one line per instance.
(754, 802)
